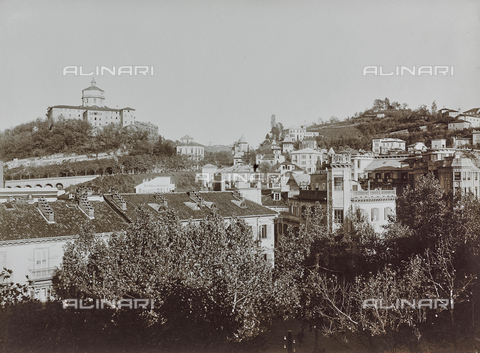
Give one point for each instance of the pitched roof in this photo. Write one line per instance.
(267, 200)
(226, 205)
(385, 163)
(473, 110)
(306, 150)
(25, 221)
(190, 144)
(94, 107)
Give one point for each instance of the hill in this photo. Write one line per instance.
(44, 137)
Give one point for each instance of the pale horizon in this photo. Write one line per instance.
(222, 69)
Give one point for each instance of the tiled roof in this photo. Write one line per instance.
(385, 163)
(190, 144)
(177, 202)
(301, 178)
(306, 150)
(81, 107)
(267, 200)
(25, 221)
(473, 110)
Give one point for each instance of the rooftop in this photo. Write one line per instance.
(226, 205)
(25, 221)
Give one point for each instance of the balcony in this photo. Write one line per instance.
(364, 194)
(42, 273)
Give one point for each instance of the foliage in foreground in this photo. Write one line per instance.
(209, 281)
(343, 283)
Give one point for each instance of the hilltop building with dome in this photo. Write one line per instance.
(94, 110)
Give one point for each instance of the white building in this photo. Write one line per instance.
(459, 125)
(159, 184)
(307, 159)
(439, 143)
(191, 149)
(298, 133)
(287, 144)
(386, 145)
(33, 232)
(93, 110)
(474, 120)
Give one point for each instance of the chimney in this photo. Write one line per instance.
(46, 209)
(86, 206)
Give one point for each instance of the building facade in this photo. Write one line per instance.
(93, 110)
(387, 145)
(193, 150)
(307, 159)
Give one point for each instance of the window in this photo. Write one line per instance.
(338, 183)
(378, 175)
(276, 196)
(41, 259)
(338, 216)
(387, 176)
(458, 176)
(374, 214)
(263, 231)
(387, 212)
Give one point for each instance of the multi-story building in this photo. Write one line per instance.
(472, 112)
(309, 142)
(459, 125)
(449, 112)
(307, 159)
(459, 142)
(34, 230)
(193, 150)
(439, 143)
(194, 206)
(298, 133)
(474, 120)
(287, 144)
(334, 188)
(94, 110)
(387, 145)
(455, 169)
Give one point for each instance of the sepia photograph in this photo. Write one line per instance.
(239, 176)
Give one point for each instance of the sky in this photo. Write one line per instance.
(223, 68)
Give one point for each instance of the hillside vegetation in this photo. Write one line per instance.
(383, 119)
(44, 137)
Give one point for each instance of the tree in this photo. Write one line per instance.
(333, 120)
(434, 108)
(387, 103)
(209, 281)
(423, 209)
